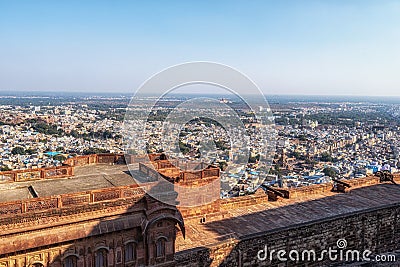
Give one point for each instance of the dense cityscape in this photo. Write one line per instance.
(316, 140)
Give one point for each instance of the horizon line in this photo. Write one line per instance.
(18, 92)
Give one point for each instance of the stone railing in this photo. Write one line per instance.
(107, 158)
(168, 170)
(95, 159)
(130, 158)
(67, 170)
(189, 176)
(67, 200)
(36, 174)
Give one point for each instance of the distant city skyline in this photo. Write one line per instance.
(286, 47)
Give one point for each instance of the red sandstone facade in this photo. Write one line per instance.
(118, 226)
(195, 184)
(123, 226)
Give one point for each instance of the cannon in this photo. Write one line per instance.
(385, 176)
(339, 186)
(274, 193)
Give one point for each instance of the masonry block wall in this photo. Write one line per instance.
(375, 230)
(124, 230)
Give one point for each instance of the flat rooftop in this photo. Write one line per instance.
(85, 178)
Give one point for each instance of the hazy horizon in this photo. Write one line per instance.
(131, 93)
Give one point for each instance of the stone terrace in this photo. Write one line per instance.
(254, 214)
(85, 178)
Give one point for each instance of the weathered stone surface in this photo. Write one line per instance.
(367, 217)
(109, 215)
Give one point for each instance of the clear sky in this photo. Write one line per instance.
(286, 47)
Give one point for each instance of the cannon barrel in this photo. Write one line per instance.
(278, 192)
(341, 182)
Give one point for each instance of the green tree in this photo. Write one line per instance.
(276, 171)
(183, 148)
(18, 150)
(93, 150)
(328, 171)
(60, 158)
(302, 137)
(30, 151)
(4, 168)
(326, 157)
(222, 165)
(45, 128)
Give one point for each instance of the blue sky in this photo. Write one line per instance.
(286, 47)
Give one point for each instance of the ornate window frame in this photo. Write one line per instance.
(66, 256)
(163, 240)
(97, 250)
(134, 248)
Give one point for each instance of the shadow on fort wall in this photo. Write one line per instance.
(362, 217)
(145, 223)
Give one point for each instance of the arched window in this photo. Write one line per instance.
(100, 258)
(160, 247)
(70, 261)
(130, 251)
(37, 265)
